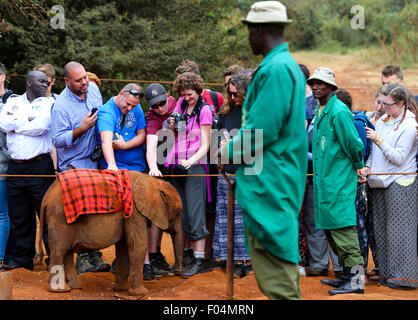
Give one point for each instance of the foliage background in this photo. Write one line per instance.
(147, 39)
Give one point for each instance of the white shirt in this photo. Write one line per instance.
(398, 152)
(27, 126)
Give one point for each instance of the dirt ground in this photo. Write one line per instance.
(362, 81)
(32, 285)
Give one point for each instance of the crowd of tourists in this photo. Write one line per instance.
(360, 192)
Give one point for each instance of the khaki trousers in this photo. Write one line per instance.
(277, 279)
(344, 242)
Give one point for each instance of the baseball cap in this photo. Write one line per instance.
(155, 93)
(267, 12)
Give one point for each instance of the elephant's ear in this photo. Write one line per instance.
(151, 200)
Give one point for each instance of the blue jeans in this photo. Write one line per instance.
(4, 218)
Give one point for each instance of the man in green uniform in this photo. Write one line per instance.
(270, 190)
(337, 154)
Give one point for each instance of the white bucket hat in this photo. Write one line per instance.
(267, 12)
(324, 74)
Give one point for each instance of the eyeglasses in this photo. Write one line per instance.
(158, 105)
(233, 94)
(387, 105)
(135, 93)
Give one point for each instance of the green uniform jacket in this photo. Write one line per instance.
(337, 153)
(272, 197)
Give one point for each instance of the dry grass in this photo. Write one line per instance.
(354, 73)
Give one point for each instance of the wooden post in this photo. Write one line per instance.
(230, 256)
(6, 286)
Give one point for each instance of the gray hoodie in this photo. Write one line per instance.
(397, 152)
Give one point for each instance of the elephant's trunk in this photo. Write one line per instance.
(39, 254)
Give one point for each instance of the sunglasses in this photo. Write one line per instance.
(135, 93)
(158, 105)
(233, 94)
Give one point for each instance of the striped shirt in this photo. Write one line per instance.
(68, 114)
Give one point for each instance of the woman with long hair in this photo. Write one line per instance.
(230, 121)
(394, 197)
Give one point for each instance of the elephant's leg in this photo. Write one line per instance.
(136, 238)
(122, 266)
(178, 242)
(71, 272)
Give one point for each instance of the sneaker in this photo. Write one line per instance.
(197, 266)
(212, 264)
(14, 265)
(83, 263)
(238, 270)
(159, 265)
(113, 267)
(317, 272)
(148, 274)
(97, 261)
(248, 269)
(188, 257)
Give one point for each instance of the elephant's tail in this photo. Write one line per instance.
(40, 253)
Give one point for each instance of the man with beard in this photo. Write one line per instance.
(337, 153)
(26, 120)
(74, 137)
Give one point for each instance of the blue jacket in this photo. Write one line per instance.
(360, 120)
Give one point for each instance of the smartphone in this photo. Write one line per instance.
(93, 111)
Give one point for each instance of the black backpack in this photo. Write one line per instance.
(6, 95)
(196, 111)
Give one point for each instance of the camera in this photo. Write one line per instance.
(97, 153)
(180, 121)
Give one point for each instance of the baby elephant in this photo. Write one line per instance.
(154, 199)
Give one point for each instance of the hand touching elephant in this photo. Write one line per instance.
(154, 199)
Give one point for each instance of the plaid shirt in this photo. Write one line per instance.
(88, 191)
(68, 114)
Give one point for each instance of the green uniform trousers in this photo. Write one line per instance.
(344, 243)
(277, 279)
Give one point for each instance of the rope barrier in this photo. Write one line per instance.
(124, 80)
(206, 83)
(190, 175)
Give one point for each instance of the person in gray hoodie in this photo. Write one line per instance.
(394, 197)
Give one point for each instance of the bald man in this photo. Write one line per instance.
(74, 137)
(26, 120)
(73, 122)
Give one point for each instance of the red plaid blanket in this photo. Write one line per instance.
(89, 191)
